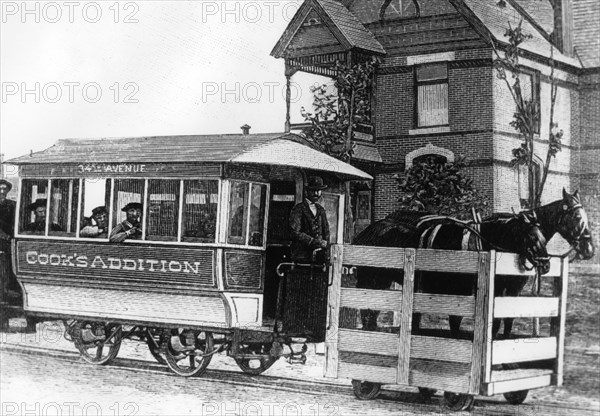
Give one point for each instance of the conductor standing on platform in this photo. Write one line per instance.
(309, 226)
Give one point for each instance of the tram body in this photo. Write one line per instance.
(206, 237)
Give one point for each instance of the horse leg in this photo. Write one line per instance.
(508, 323)
(369, 319)
(454, 322)
(496, 327)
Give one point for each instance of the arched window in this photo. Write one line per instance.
(442, 155)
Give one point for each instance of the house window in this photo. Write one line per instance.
(529, 81)
(432, 95)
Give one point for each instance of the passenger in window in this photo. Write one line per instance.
(100, 216)
(7, 211)
(38, 226)
(309, 226)
(131, 227)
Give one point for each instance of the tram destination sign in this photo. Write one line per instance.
(77, 170)
(117, 262)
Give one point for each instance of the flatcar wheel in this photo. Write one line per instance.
(93, 342)
(258, 365)
(457, 402)
(154, 338)
(190, 355)
(426, 393)
(516, 397)
(365, 390)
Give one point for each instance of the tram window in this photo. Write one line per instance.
(200, 202)
(95, 204)
(257, 214)
(247, 204)
(34, 195)
(162, 214)
(64, 197)
(238, 207)
(126, 191)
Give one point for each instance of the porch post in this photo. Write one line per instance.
(289, 71)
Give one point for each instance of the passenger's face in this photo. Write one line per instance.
(134, 215)
(3, 193)
(40, 214)
(314, 195)
(101, 219)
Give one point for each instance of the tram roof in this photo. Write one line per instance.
(265, 149)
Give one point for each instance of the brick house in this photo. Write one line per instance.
(437, 93)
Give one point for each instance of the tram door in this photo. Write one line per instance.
(282, 200)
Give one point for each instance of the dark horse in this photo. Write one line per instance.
(519, 233)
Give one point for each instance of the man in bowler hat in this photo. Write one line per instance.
(7, 211)
(100, 216)
(39, 224)
(308, 224)
(131, 228)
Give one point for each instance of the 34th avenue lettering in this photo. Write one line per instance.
(111, 168)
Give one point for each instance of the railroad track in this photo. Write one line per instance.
(394, 396)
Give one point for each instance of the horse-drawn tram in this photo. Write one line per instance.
(181, 241)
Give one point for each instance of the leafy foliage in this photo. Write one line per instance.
(526, 118)
(335, 114)
(440, 188)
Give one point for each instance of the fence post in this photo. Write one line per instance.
(488, 317)
(333, 311)
(404, 338)
(480, 327)
(557, 324)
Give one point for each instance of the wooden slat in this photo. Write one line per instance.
(333, 306)
(525, 307)
(404, 339)
(516, 385)
(523, 349)
(371, 373)
(392, 258)
(440, 375)
(447, 261)
(557, 324)
(508, 264)
(489, 316)
(519, 373)
(368, 342)
(444, 304)
(442, 349)
(380, 300)
(480, 328)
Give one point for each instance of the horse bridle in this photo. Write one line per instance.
(535, 261)
(582, 235)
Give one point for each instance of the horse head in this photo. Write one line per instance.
(573, 225)
(530, 241)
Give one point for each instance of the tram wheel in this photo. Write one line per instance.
(155, 338)
(190, 355)
(98, 343)
(516, 397)
(426, 393)
(457, 402)
(365, 390)
(258, 365)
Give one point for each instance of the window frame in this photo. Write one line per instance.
(535, 91)
(218, 241)
(224, 235)
(417, 84)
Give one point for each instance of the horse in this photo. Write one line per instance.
(520, 233)
(568, 218)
